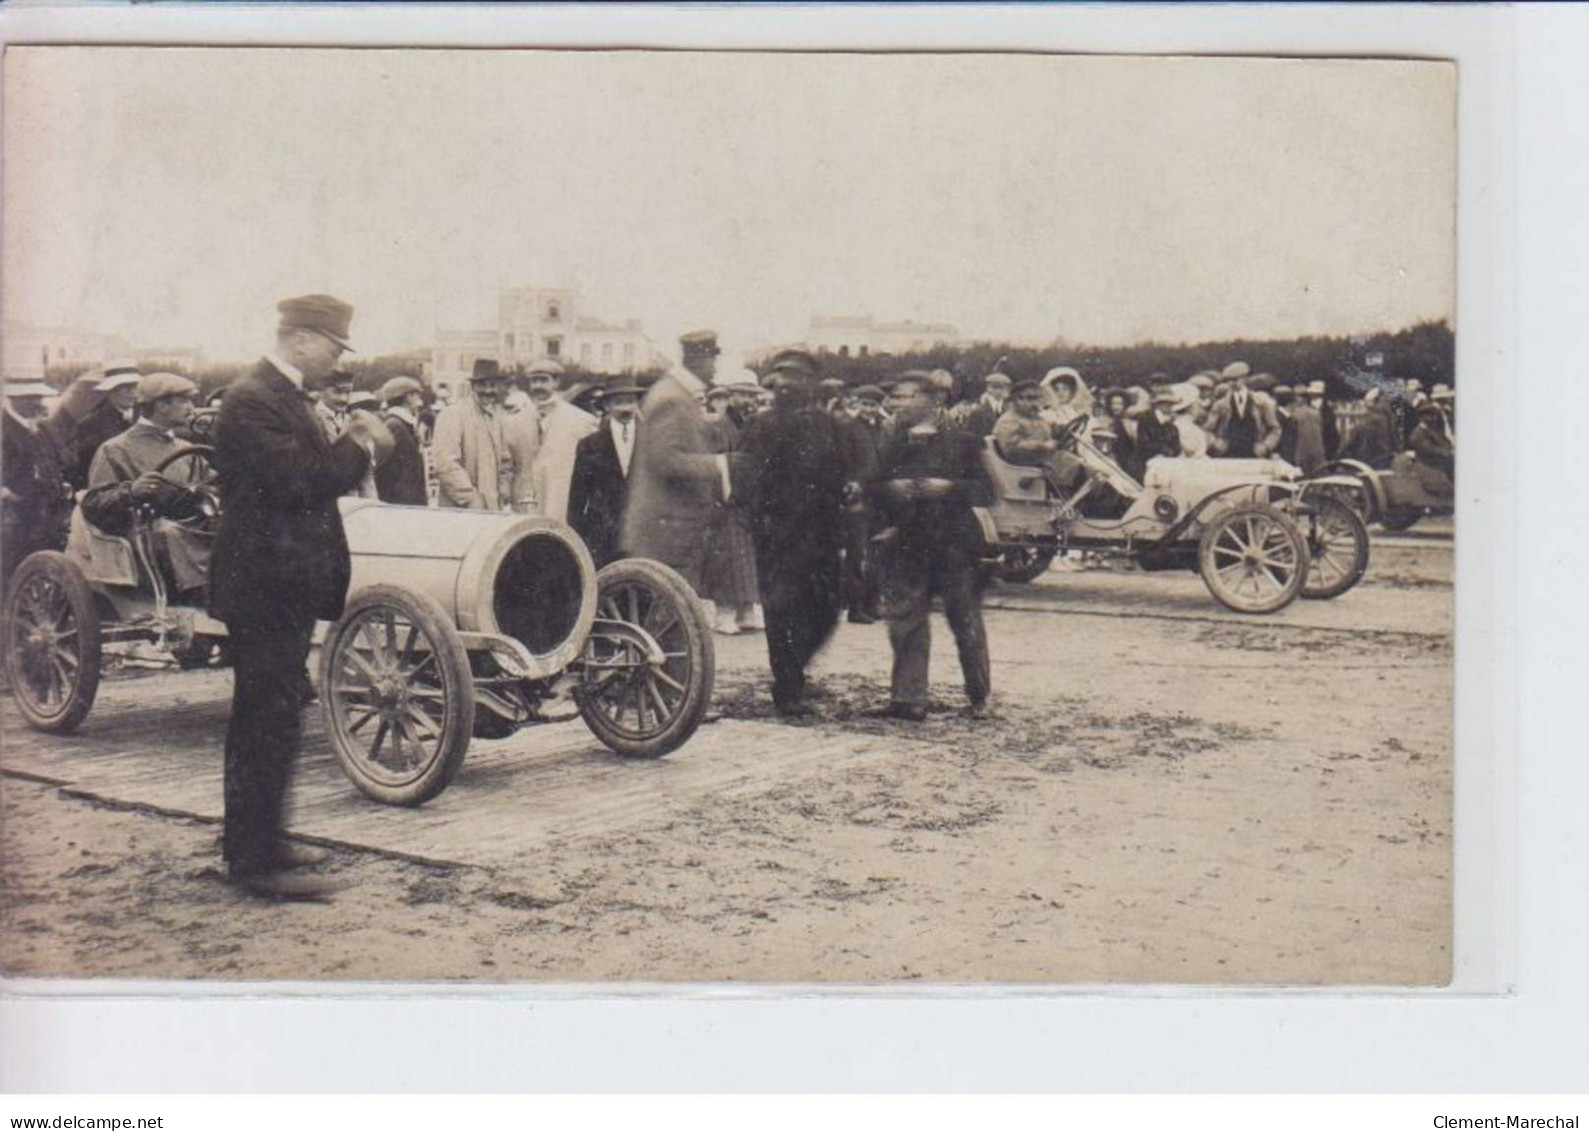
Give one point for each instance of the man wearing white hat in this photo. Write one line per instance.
(123, 479)
(34, 501)
(1243, 424)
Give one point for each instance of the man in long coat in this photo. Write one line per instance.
(929, 543)
(34, 499)
(114, 413)
(401, 479)
(562, 428)
(798, 463)
(280, 563)
(602, 463)
(730, 581)
(676, 477)
(468, 447)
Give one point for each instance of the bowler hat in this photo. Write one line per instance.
(158, 385)
(398, 388)
(485, 369)
(320, 313)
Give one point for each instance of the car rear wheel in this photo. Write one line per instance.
(647, 670)
(396, 695)
(1253, 558)
(52, 642)
(1337, 548)
(1021, 564)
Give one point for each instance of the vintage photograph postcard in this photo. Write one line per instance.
(658, 517)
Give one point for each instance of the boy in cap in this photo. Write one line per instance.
(35, 500)
(333, 404)
(280, 563)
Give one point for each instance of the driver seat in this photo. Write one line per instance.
(104, 558)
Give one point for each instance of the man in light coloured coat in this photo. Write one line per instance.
(562, 428)
(676, 478)
(469, 449)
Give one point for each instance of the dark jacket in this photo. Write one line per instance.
(281, 552)
(673, 481)
(35, 516)
(401, 479)
(1374, 439)
(597, 493)
(931, 533)
(796, 466)
(1155, 438)
(89, 433)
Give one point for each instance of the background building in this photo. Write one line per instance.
(31, 351)
(536, 322)
(862, 336)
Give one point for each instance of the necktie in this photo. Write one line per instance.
(625, 426)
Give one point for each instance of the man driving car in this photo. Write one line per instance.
(123, 478)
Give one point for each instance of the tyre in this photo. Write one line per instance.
(1253, 558)
(1337, 547)
(1397, 519)
(52, 643)
(644, 703)
(1021, 564)
(396, 695)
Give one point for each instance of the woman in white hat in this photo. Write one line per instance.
(1069, 397)
(1194, 441)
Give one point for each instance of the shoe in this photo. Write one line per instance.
(292, 854)
(861, 616)
(983, 709)
(289, 886)
(793, 708)
(725, 624)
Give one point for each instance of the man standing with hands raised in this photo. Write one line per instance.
(280, 563)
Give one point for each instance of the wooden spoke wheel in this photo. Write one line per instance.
(1253, 558)
(648, 666)
(396, 695)
(1337, 547)
(52, 642)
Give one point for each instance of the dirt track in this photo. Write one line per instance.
(1171, 793)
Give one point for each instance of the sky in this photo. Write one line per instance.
(175, 195)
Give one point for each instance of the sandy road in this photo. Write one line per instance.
(1171, 793)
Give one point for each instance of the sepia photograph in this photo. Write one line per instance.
(634, 517)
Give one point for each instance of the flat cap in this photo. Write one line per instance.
(867, 392)
(320, 313)
(398, 388)
(1203, 381)
(485, 369)
(938, 381)
(543, 366)
(1235, 370)
(1315, 388)
(997, 377)
(1262, 382)
(794, 361)
(718, 392)
(29, 389)
(833, 384)
(158, 385)
(1441, 392)
(623, 387)
(1027, 383)
(363, 398)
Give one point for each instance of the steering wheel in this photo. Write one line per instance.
(195, 472)
(1072, 432)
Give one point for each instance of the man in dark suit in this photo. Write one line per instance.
(280, 563)
(798, 462)
(113, 415)
(676, 477)
(401, 479)
(600, 485)
(34, 500)
(930, 543)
